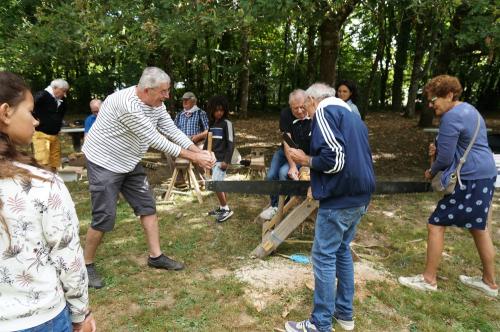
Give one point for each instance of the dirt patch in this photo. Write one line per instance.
(364, 272)
(266, 278)
(400, 323)
(275, 273)
(245, 320)
(167, 301)
(102, 316)
(220, 273)
(138, 259)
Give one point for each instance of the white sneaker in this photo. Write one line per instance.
(478, 283)
(269, 213)
(346, 325)
(417, 282)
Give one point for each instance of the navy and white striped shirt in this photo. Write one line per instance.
(126, 128)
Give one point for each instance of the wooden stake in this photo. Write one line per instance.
(209, 149)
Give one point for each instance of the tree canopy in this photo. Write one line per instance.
(257, 51)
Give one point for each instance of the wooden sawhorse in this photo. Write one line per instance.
(277, 230)
(184, 164)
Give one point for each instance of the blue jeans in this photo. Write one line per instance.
(278, 170)
(60, 323)
(331, 257)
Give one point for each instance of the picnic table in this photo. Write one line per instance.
(76, 136)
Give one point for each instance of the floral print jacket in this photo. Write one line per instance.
(41, 266)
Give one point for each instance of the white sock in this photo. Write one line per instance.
(225, 207)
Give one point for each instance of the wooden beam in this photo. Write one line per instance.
(274, 238)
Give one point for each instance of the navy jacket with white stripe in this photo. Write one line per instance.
(342, 173)
(223, 140)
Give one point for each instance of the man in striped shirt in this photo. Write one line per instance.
(129, 122)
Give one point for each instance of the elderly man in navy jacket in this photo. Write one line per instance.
(342, 180)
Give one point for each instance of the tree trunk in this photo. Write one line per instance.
(427, 114)
(449, 48)
(166, 64)
(489, 97)
(416, 72)
(330, 41)
(193, 50)
(244, 75)
(286, 35)
(297, 78)
(378, 56)
(311, 54)
(210, 80)
(222, 64)
(329, 46)
(390, 30)
(403, 39)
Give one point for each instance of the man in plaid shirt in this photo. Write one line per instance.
(192, 121)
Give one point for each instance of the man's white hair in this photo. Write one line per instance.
(296, 93)
(152, 77)
(59, 83)
(320, 91)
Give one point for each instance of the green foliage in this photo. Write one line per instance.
(100, 46)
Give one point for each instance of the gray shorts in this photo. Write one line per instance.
(105, 186)
(217, 173)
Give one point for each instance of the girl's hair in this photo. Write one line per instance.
(351, 86)
(212, 107)
(13, 91)
(441, 85)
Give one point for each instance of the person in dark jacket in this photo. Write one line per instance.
(342, 180)
(49, 110)
(223, 147)
(282, 167)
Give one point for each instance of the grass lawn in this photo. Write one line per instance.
(213, 294)
(208, 296)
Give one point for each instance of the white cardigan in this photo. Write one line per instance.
(43, 268)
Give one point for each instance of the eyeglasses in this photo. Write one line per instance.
(299, 108)
(433, 99)
(163, 92)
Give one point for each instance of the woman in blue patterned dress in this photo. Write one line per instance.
(469, 206)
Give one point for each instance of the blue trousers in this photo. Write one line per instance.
(331, 257)
(278, 170)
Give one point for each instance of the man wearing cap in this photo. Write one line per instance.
(192, 121)
(49, 109)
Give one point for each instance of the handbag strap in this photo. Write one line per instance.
(464, 157)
